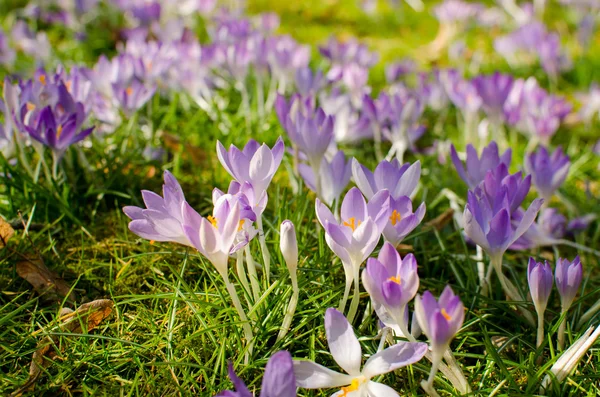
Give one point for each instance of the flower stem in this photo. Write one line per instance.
(239, 268)
(252, 274)
(355, 297)
(578, 246)
(264, 249)
(509, 289)
(291, 309)
(245, 326)
(561, 331)
(342, 307)
(589, 314)
(540, 329)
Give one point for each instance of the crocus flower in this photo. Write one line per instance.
(493, 90)
(278, 380)
(355, 237)
(346, 351)
(57, 134)
(539, 278)
(163, 218)
(440, 321)
(568, 279)
(288, 244)
(402, 219)
(548, 172)
(487, 215)
(215, 235)
(312, 134)
(133, 96)
(334, 177)
(399, 180)
(255, 163)
(309, 82)
(476, 168)
(392, 282)
(549, 229)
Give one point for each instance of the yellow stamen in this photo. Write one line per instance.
(68, 85)
(30, 106)
(152, 242)
(395, 279)
(353, 387)
(352, 224)
(42, 79)
(241, 225)
(395, 218)
(129, 90)
(446, 315)
(59, 130)
(212, 220)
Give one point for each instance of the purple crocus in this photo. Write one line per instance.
(354, 238)
(278, 380)
(255, 164)
(539, 278)
(312, 134)
(347, 353)
(399, 180)
(133, 96)
(440, 321)
(476, 168)
(549, 229)
(493, 90)
(402, 219)
(309, 83)
(392, 282)
(215, 236)
(163, 217)
(568, 276)
(548, 172)
(334, 177)
(487, 215)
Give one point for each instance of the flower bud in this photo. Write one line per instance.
(539, 277)
(288, 245)
(568, 279)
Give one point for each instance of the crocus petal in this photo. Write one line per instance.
(376, 389)
(408, 181)
(527, 219)
(394, 357)
(279, 380)
(343, 344)
(354, 205)
(310, 375)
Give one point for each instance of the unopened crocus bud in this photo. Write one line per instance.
(568, 277)
(539, 277)
(289, 246)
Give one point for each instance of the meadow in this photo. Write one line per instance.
(192, 188)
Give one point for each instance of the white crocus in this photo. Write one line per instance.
(346, 351)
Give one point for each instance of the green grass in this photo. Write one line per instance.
(173, 327)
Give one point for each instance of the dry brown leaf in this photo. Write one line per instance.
(91, 314)
(44, 281)
(173, 143)
(6, 232)
(441, 220)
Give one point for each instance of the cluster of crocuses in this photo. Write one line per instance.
(46, 111)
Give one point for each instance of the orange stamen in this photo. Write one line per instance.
(59, 130)
(129, 90)
(395, 218)
(446, 315)
(395, 279)
(352, 224)
(353, 387)
(30, 106)
(241, 225)
(42, 79)
(212, 220)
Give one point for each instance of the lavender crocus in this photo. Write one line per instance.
(493, 90)
(355, 236)
(487, 217)
(548, 172)
(392, 282)
(539, 278)
(346, 351)
(278, 380)
(476, 168)
(163, 217)
(568, 276)
(402, 219)
(399, 180)
(334, 177)
(255, 163)
(440, 321)
(132, 97)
